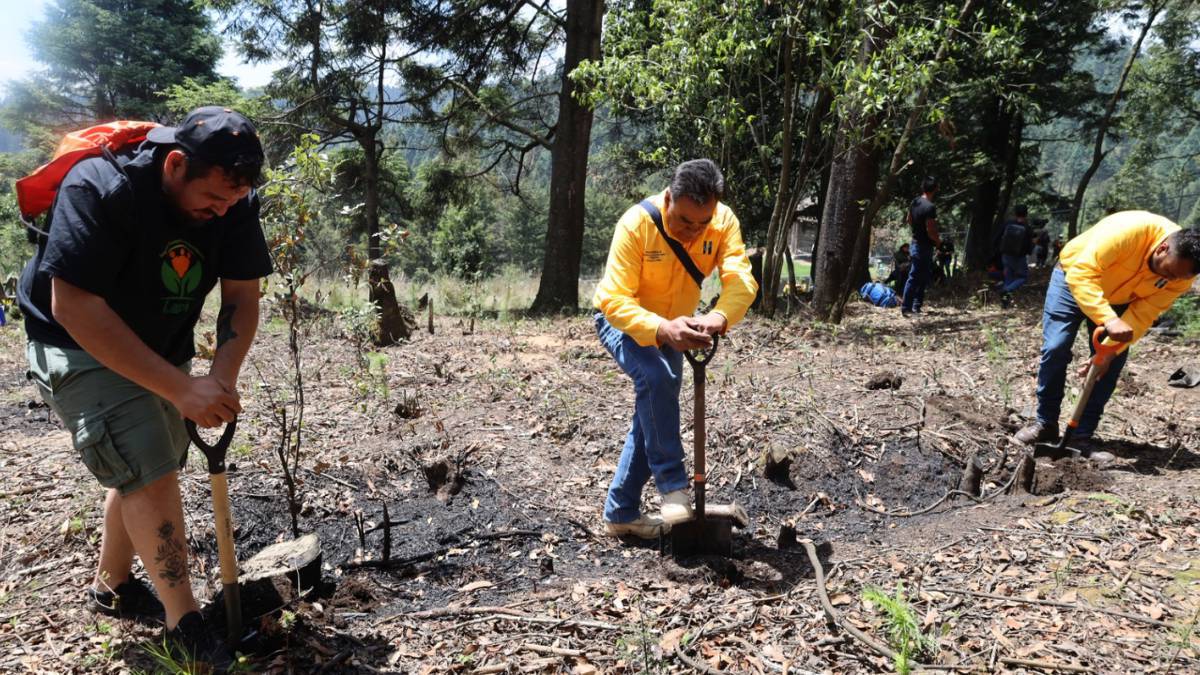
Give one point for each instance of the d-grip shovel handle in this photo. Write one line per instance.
(1104, 350)
(705, 355)
(215, 454)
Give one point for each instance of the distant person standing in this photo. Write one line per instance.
(1041, 246)
(1016, 242)
(922, 218)
(1058, 246)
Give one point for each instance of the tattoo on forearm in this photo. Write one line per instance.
(171, 556)
(225, 331)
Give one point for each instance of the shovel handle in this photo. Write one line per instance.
(1104, 350)
(703, 356)
(227, 555)
(215, 453)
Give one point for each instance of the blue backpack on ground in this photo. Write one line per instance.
(878, 294)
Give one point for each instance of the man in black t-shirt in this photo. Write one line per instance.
(922, 218)
(136, 241)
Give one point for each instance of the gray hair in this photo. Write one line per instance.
(698, 179)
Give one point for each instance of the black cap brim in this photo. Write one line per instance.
(162, 135)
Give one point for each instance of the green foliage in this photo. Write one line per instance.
(1185, 314)
(183, 97)
(460, 242)
(903, 630)
(15, 248)
(293, 198)
(108, 59)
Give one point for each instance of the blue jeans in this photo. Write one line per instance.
(653, 446)
(1060, 321)
(918, 275)
(1016, 271)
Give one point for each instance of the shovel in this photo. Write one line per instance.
(710, 530)
(1103, 354)
(215, 454)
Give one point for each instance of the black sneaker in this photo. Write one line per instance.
(192, 643)
(132, 599)
(1093, 450)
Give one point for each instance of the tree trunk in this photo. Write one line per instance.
(780, 219)
(790, 196)
(852, 179)
(394, 322)
(1012, 162)
(986, 204)
(559, 286)
(863, 244)
(822, 200)
(1098, 151)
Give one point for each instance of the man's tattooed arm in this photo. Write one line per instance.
(225, 331)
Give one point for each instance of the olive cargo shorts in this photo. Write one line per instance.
(127, 436)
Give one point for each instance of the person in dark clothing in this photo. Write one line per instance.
(1041, 246)
(136, 241)
(1015, 244)
(945, 258)
(922, 218)
(901, 262)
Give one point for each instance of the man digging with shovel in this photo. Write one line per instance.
(1121, 274)
(136, 240)
(661, 251)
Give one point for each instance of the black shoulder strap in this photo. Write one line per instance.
(680, 251)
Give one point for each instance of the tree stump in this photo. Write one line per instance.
(1026, 468)
(971, 480)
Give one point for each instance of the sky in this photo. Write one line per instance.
(17, 62)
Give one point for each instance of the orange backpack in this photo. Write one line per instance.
(35, 192)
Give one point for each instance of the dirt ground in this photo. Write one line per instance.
(1097, 572)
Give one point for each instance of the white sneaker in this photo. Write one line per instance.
(645, 527)
(676, 507)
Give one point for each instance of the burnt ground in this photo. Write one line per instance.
(1098, 571)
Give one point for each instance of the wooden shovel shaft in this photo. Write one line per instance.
(1103, 354)
(228, 555)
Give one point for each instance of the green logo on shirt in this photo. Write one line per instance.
(181, 274)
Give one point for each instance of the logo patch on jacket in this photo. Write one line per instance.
(708, 247)
(654, 256)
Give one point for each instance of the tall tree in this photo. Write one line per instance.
(886, 79)
(559, 286)
(106, 59)
(338, 56)
(1148, 12)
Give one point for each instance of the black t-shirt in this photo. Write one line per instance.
(116, 235)
(922, 211)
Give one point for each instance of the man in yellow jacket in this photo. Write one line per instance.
(1121, 274)
(645, 302)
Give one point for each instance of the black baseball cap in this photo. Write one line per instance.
(218, 135)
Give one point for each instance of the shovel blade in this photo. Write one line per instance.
(1054, 451)
(711, 536)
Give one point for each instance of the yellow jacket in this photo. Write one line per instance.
(644, 283)
(1109, 264)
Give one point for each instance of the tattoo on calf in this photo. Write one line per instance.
(171, 556)
(225, 331)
